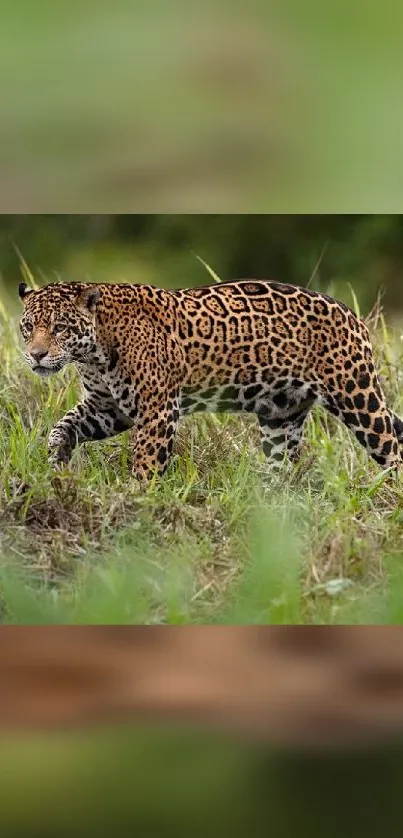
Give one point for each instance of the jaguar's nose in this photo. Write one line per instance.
(38, 355)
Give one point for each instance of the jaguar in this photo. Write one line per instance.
(147, 356)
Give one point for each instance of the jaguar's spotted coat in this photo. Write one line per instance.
(146, 356)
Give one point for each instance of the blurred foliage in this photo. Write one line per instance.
(164, 782)
(173, 106)
(330, 252)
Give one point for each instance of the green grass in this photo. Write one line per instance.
(218, 540)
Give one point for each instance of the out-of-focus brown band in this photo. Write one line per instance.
(296, 686)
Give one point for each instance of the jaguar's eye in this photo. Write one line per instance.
(58, 328)
(26, 327)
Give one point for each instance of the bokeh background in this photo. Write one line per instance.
(333, 253)
(173, 106)
(75, 775)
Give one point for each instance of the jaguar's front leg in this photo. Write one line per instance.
(61, 443)
(86, 421)
(145, 383)
(154, 437)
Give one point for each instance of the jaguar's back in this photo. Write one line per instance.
(249, 326)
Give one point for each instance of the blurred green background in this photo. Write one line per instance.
(330, 252)
(181, 107)
(164, 782)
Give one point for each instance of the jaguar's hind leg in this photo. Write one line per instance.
(282, 436)
(398, 427)
(376, 428)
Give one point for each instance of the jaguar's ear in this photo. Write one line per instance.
(88, 297)
(23, 290)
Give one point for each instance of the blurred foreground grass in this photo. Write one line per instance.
(217, 541)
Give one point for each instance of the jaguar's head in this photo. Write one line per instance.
(58, 325)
